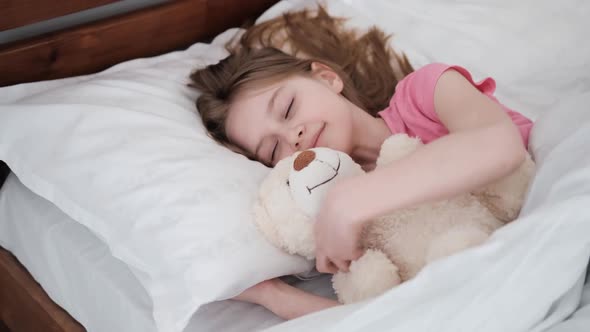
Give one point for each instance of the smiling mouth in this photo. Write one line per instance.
(317, 137)
(335, 169)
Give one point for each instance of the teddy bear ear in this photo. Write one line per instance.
(267, 226)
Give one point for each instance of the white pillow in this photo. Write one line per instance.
(518, 43)
(124, 153)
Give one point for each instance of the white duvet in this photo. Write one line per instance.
(527, 277)
(530, 274)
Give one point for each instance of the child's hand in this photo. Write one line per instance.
(337, 231)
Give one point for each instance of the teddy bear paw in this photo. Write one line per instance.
(369, 276)
(397, 147)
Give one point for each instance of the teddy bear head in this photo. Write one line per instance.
(291, 195)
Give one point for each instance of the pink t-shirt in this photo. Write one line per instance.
(411, 109)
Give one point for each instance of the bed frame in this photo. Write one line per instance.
(85, 49)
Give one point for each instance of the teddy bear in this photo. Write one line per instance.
(396, 246)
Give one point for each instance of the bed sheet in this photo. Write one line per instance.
(78, 272)
(579, 321)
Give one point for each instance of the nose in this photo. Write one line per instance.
(295, 138)
(303, 159)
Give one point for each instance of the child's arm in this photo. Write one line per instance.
(483, 145)
(284, 300)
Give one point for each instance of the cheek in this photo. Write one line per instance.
(285, 153)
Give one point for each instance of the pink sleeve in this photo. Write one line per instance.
(411, 109)
(421, 87)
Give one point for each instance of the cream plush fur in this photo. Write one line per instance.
(398, 245)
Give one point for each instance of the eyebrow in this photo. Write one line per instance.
(269, 108)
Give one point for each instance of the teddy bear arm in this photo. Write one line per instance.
(455, 240)
(397, 147)
(505, 197)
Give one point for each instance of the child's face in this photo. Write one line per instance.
(294, 114)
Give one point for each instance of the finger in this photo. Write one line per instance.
(342, 265)
(332, 268)
(320, 264)
(358, 253)
(324, 265)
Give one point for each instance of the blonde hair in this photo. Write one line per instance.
(368, 68)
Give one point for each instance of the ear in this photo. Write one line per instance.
(328, 76)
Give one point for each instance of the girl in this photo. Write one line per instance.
(336, 90)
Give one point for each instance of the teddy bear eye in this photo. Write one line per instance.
(288, 184)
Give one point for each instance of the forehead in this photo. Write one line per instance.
(245, 119)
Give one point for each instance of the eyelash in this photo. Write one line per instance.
(272, 156)
(289, 108)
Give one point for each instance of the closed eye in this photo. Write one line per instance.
(274, 150)
(289, 108)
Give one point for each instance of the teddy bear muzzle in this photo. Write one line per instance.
(303, 160)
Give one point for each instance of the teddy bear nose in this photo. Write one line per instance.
(303, 159)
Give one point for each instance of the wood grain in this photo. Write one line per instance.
(17, 13)
(24, 306)
(97, 46)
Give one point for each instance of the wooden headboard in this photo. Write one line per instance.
(96, 46)
(86, 49)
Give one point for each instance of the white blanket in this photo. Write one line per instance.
(526, 278)
(530, 274)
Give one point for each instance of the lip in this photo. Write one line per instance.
(315, 140)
